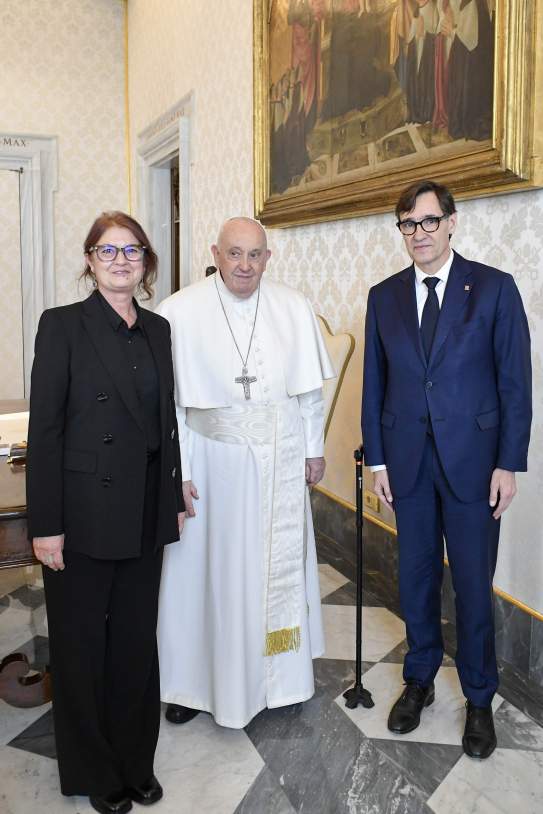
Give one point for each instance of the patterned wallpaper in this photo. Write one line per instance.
(63, 75)
(175, 48)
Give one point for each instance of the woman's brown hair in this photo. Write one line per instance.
(150, 259)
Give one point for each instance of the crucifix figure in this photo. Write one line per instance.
(246, 381)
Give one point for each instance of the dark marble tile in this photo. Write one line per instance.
(265, 797)
(4, 603)
(336, 522)
(397, 655)
(37, 652)
(346, 595)
(448, 609)
(328, 551)
(536, 652)
(377, 787)
(29, 597)
(425, 764)
(326, 764)
(517, 688)
(513, 631)
(38, 738)
(448, 632)
(514, 730)
(519, 639)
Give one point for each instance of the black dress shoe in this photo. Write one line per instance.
(176, 714)
(146, 794)
(479, 736)
(118, 803)
(405, 714)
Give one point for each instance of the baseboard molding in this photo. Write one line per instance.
(519, 630)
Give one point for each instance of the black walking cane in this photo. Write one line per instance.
(357, 694)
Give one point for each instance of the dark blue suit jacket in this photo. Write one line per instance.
(475, 388)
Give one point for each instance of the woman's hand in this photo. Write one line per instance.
(48, 551)
(180, 521)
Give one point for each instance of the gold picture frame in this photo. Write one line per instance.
(511, 158)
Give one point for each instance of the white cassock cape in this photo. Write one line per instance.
(222, 587)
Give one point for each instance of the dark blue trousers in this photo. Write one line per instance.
(429, 513)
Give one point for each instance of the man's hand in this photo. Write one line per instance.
(314, 470)
(180, 522)
(48, 550)
(502, 484)
(381, 487)
(190, 493)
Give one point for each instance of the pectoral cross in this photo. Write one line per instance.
(246, 381)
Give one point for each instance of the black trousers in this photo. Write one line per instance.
(102, 617)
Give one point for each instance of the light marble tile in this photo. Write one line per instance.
(442, 722)
(330, 580)
(11, 579)
(381, 632)
(30, 784)
(16, 628)
(507, 781)
(14, 720)
(204, 767)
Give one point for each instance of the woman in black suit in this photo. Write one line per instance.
(104, 496)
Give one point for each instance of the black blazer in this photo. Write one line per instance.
(87, 450)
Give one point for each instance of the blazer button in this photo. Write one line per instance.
(174, 470)
(429, 385)
(102, 397)
(108, 438)
(172, 434)
(107, 480)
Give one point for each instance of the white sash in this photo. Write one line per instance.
(275, 436)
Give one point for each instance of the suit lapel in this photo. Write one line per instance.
(459, 287)
(407, 302)
(109, 350)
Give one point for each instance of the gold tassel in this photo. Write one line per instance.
(281, 641)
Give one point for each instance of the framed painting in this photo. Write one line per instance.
(355, 99)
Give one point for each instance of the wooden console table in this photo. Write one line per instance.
(16, 686)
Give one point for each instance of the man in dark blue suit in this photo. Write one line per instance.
(446, 414)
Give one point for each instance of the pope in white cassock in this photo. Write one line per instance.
(240, 616)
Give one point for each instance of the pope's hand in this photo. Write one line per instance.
(48, 550)
(314, 470)
(190, 493)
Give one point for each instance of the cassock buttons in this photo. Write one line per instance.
(107, 480)
(174, 470)
(108, 438)
(102, 397)
(172, 434)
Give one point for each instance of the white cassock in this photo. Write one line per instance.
(240, 615)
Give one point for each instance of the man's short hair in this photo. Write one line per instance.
(408, 198)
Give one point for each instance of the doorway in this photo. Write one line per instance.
(11, 324)
(28, 180)
(164, 195)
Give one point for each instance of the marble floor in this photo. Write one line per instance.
(312, 758)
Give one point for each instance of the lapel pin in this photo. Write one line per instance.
(467, 288)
